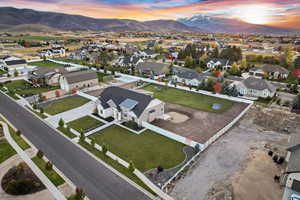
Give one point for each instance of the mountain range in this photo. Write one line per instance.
(228, 25)
(18, 20)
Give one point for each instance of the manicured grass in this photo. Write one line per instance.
(22, 87)
(66, 132)
(45, 63)
(65, 104)
(6, 151)
(115, 165)
(190, 99)
(147, 150)
(2, 72)
(51, 174)
(18, 139)
(85, 124)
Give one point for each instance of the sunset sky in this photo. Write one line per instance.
(275, 12)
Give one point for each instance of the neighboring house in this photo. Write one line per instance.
(47, 76)
(13, 64)
(127, 105)
(129, 61)
(80, 55)
(54, 52)
(189, 77)
(147, 54)
(77, 80)
(152, 68)
(255, 87)
(218, 63)
(291, 176)
(272, 71)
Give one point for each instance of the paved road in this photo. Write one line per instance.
(98, 181)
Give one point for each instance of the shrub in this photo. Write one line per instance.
(160, 169)
(80, 194)
(34, 106)
(270, 153)
(41, 110)
(61, 122)
(49, 166)
(275, 158)
(278, 101)
(131, 167)
(82, 136)
(104, 148)
(40, 154)
(18, 133)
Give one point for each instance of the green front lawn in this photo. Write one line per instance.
(2, 72)
(85, 124)
(65, 104)
(147, 150)
(18, 139)
(6, 151)
(115, 165)
(66, 132)
(45, 63)
(190, 99)
(22, 87)
(51, 174)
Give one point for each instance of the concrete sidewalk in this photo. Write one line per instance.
(48, 184)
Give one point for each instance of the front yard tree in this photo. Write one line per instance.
(131, 167)
(160, 169)
(61, 122)
(49, 166)
(104, 148)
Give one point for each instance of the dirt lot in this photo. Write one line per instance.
(201, 125)
(239, 163)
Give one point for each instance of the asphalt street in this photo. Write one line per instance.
(85, 172)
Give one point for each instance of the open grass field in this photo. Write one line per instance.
(33, 38)
(6, 151)
(45, 63)
(190, 99)
(115, 165)
(22, 87)
(147, 150)
(51, 174)
(85, 124)
(65, 104)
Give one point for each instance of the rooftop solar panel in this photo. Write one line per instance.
(128, 103)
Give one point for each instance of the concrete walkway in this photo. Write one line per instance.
(99, 129)
(49, 185)
(73, 114)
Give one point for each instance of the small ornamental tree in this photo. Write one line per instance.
(49, 166)
(34, 106)
(40, 154)
(104, 148)
(82, 136)
(80, 194)
(131, 167)
(160, 169)
(41, 110)
(61, 122)
(18, 133)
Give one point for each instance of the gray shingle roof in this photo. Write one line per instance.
(191, 74)
(156, 68)
(16, 62)
(76, 77)
(42, 72)
(221, 60)
(274, 68)
(294, 148)
(258, 84)
(119, 95)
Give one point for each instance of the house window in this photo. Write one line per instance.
(101, 111)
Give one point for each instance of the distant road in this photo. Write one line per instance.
(85, 172)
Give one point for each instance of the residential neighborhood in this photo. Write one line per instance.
(183, 109)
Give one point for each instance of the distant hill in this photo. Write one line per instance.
(26, 28)
(12, 18)
(226, 25)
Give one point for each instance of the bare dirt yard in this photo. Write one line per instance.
(237, 165)
(199, 125)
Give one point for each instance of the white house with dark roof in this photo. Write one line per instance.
(13, 64)
(291, 176)
(189, 77)
(215, 63)
(54, 52)
(147, 54)
(78, 80)
(129, 61)
(127, 105)
(255, 87)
